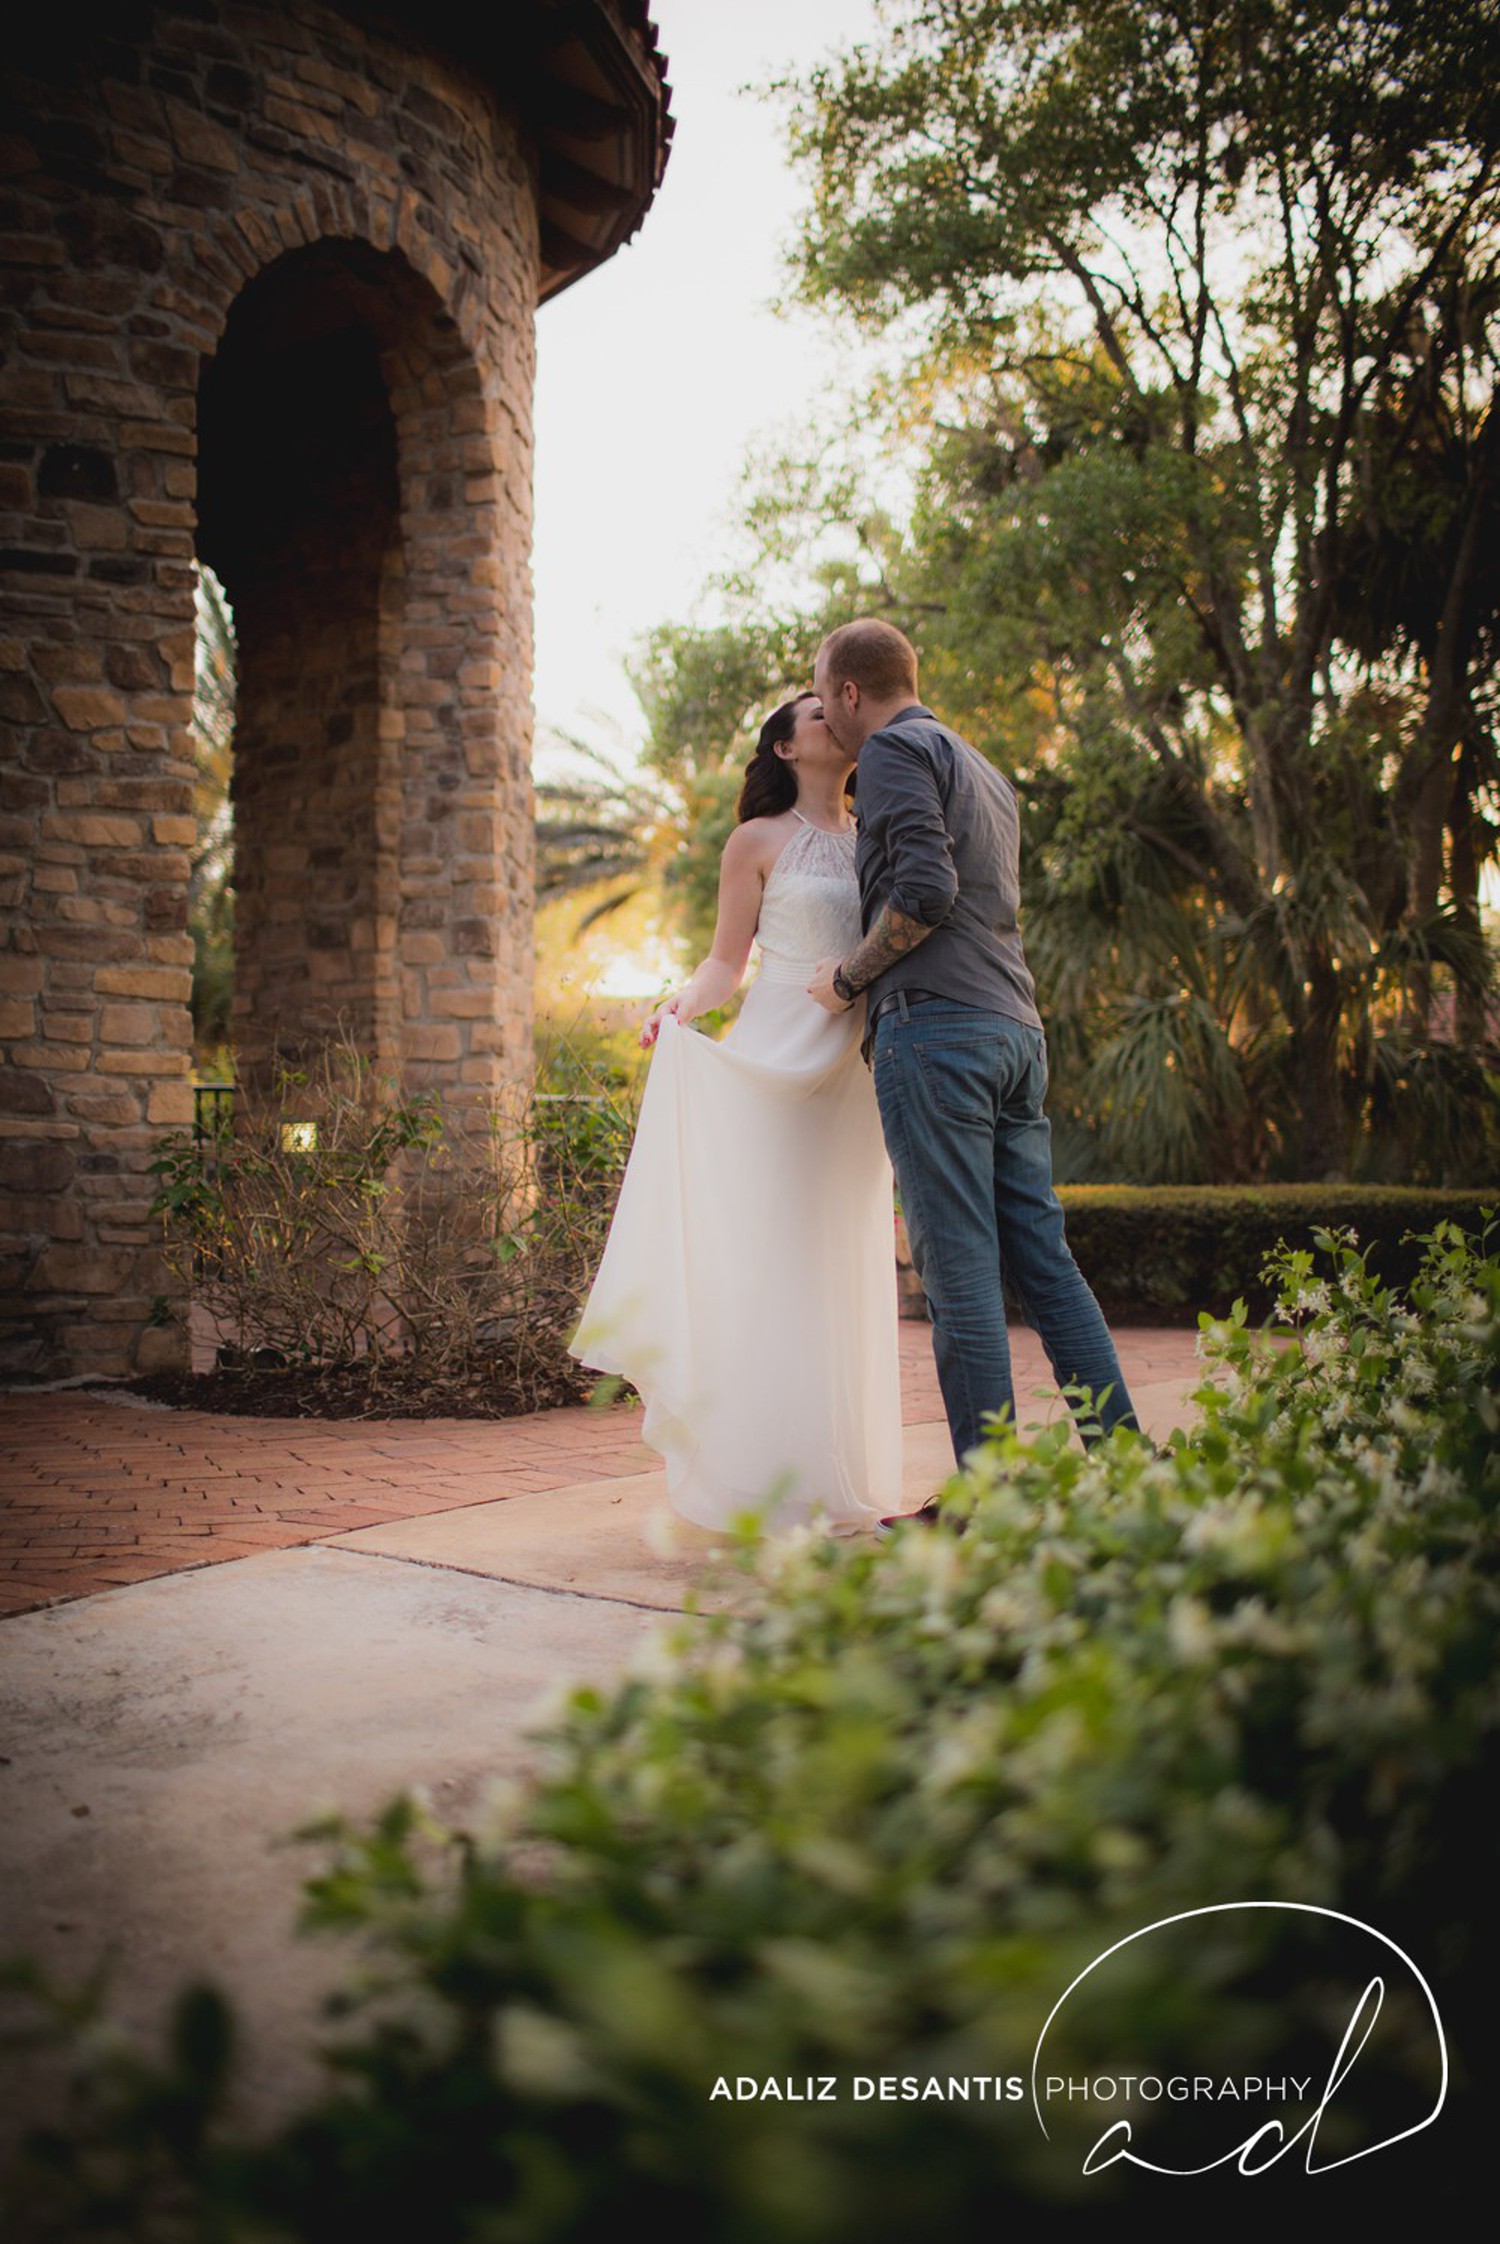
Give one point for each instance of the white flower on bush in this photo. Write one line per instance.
(1190, 1630)
(1010, 1609)
(934, 1562)
(1438, 1484)
(1253, 1626)
(1059, 1743)
(721, 1669)
(656, 1659)
(1236, 1529)
(963, 1751)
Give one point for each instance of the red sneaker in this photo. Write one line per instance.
(928, 1516)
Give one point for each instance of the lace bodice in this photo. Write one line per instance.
(810, 908)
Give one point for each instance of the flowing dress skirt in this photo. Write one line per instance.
(748, 1286)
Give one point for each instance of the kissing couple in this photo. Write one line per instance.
(748, 1285)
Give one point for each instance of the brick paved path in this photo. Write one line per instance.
(99, 1492)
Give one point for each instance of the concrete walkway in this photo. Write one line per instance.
(221, 1627)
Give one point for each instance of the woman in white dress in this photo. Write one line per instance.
(748, 1286)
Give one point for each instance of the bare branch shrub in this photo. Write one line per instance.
(349, 1226)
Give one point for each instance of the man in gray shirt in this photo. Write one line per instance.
(955, 1041)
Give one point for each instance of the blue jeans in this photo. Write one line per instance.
(960, 1095)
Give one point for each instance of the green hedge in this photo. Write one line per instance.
(1172, 1251)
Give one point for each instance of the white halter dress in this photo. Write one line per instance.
(748, 1285)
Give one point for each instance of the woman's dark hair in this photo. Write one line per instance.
(770, 782)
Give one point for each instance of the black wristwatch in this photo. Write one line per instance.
(843, 987)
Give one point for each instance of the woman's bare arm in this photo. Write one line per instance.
(742, 879)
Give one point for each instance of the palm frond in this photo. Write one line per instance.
(1166, 1084)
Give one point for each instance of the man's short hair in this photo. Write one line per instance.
(880, 659)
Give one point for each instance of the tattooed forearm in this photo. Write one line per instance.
(892, 937)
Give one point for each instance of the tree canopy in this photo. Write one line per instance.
(1212, 289)
(1201, 305)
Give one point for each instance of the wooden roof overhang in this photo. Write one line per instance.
(588, 80)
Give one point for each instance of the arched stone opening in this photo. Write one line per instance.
(206, 200)
(347, 496)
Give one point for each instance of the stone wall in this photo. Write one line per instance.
(277, 273)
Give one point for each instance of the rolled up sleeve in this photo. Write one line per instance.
(902, 810)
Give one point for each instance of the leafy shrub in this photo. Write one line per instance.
(593, 1047)
(583, 1111)
(876, 1824)
(348, 1228)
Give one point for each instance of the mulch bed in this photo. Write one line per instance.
(402, 1390)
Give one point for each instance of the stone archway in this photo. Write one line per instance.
(348, 497)
(320, 232)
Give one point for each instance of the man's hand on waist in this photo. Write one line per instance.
(821, 987)
(894, 936)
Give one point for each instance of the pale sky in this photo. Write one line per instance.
(657, 372)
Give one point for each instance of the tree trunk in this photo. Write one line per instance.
(1429, 790)
(1323, 1144)
(1429, 820)
(1471, 1003)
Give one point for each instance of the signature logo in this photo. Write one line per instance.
(1333, 2050)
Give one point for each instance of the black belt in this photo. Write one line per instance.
(892, 999)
